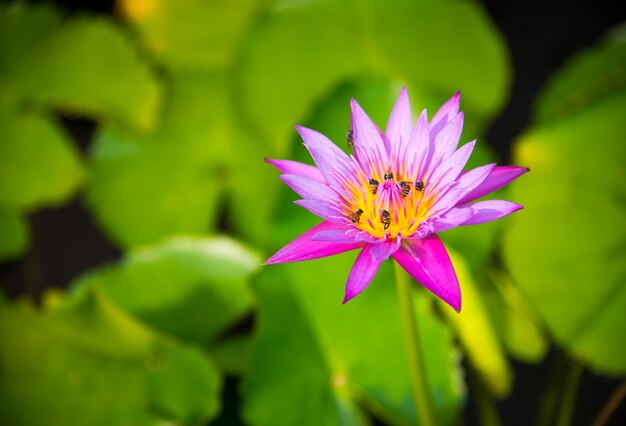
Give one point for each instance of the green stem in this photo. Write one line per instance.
(421, 394)
(570, 390)
(487, 410)
(552, 391)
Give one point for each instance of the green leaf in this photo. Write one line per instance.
(253, 190)
(477, 333)
(145, 188)
(85, 66)
(37, 164)
(317, 361)
(232, 355)
(90, 363)
(192, 34)
(590, 77)
(290, 64)
(567, 249)
(518, 325)
(15, 235)
(190, 287)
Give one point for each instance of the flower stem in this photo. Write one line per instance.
(487, 410)
(570, 390)
(421, 393)
(552, 391)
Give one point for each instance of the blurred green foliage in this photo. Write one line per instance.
(188, 98)
(568, 252)
(89, 362)
(181, 283)
(325, 361)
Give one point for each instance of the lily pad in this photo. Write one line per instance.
(302, 51)
(192, 34)
(517, 323)
(15, 235)
(567, 250)
(79, 66)
(84, 66)
(594, 74)
(252, 191)
(327, 362)
(477, 333)
(90, 363)
(37, 164)
(190, 287)
(144, 188)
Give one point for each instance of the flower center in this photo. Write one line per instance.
(389, 205)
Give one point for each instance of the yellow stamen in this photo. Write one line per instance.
(394, 210)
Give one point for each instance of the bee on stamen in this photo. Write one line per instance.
(356, 216)
(406, 188)
(373, 186)
(419, 185)
(388, 176)
(350, 138)
(386, 218)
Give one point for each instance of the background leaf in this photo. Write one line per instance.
(192, 34)
(567, 251)
(189, 287)
(37, 165)
(15, 235)
(324, 360)
(595, 74)
(82, 66)
(477, 334)
(85, 66)
(299, 54)
(145, 188)
(90, 363)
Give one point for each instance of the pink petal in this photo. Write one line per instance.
(455, 217)
(295, 168)
(428, 262)
(324, 209)
(361, 274)
(467, 182)
(486, 211)
(310, 189)
(419, 144)
(449, 169)
(381, 251)
(400, 123)
(305, 248)
(445, 114)
(473, 178)
(445, 142)
(369, 145)
(345, 235)
(498, 177)
(329, 158)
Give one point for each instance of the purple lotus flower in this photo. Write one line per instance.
(393, 195)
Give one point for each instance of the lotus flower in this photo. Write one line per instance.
(393, 195)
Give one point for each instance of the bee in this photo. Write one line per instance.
(419, 185)
(388, 176)
(350, 138)
(386, 218)
(406, 188)
(373, 186)
(356, 216)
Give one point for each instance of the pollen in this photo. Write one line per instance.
(388, 206)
